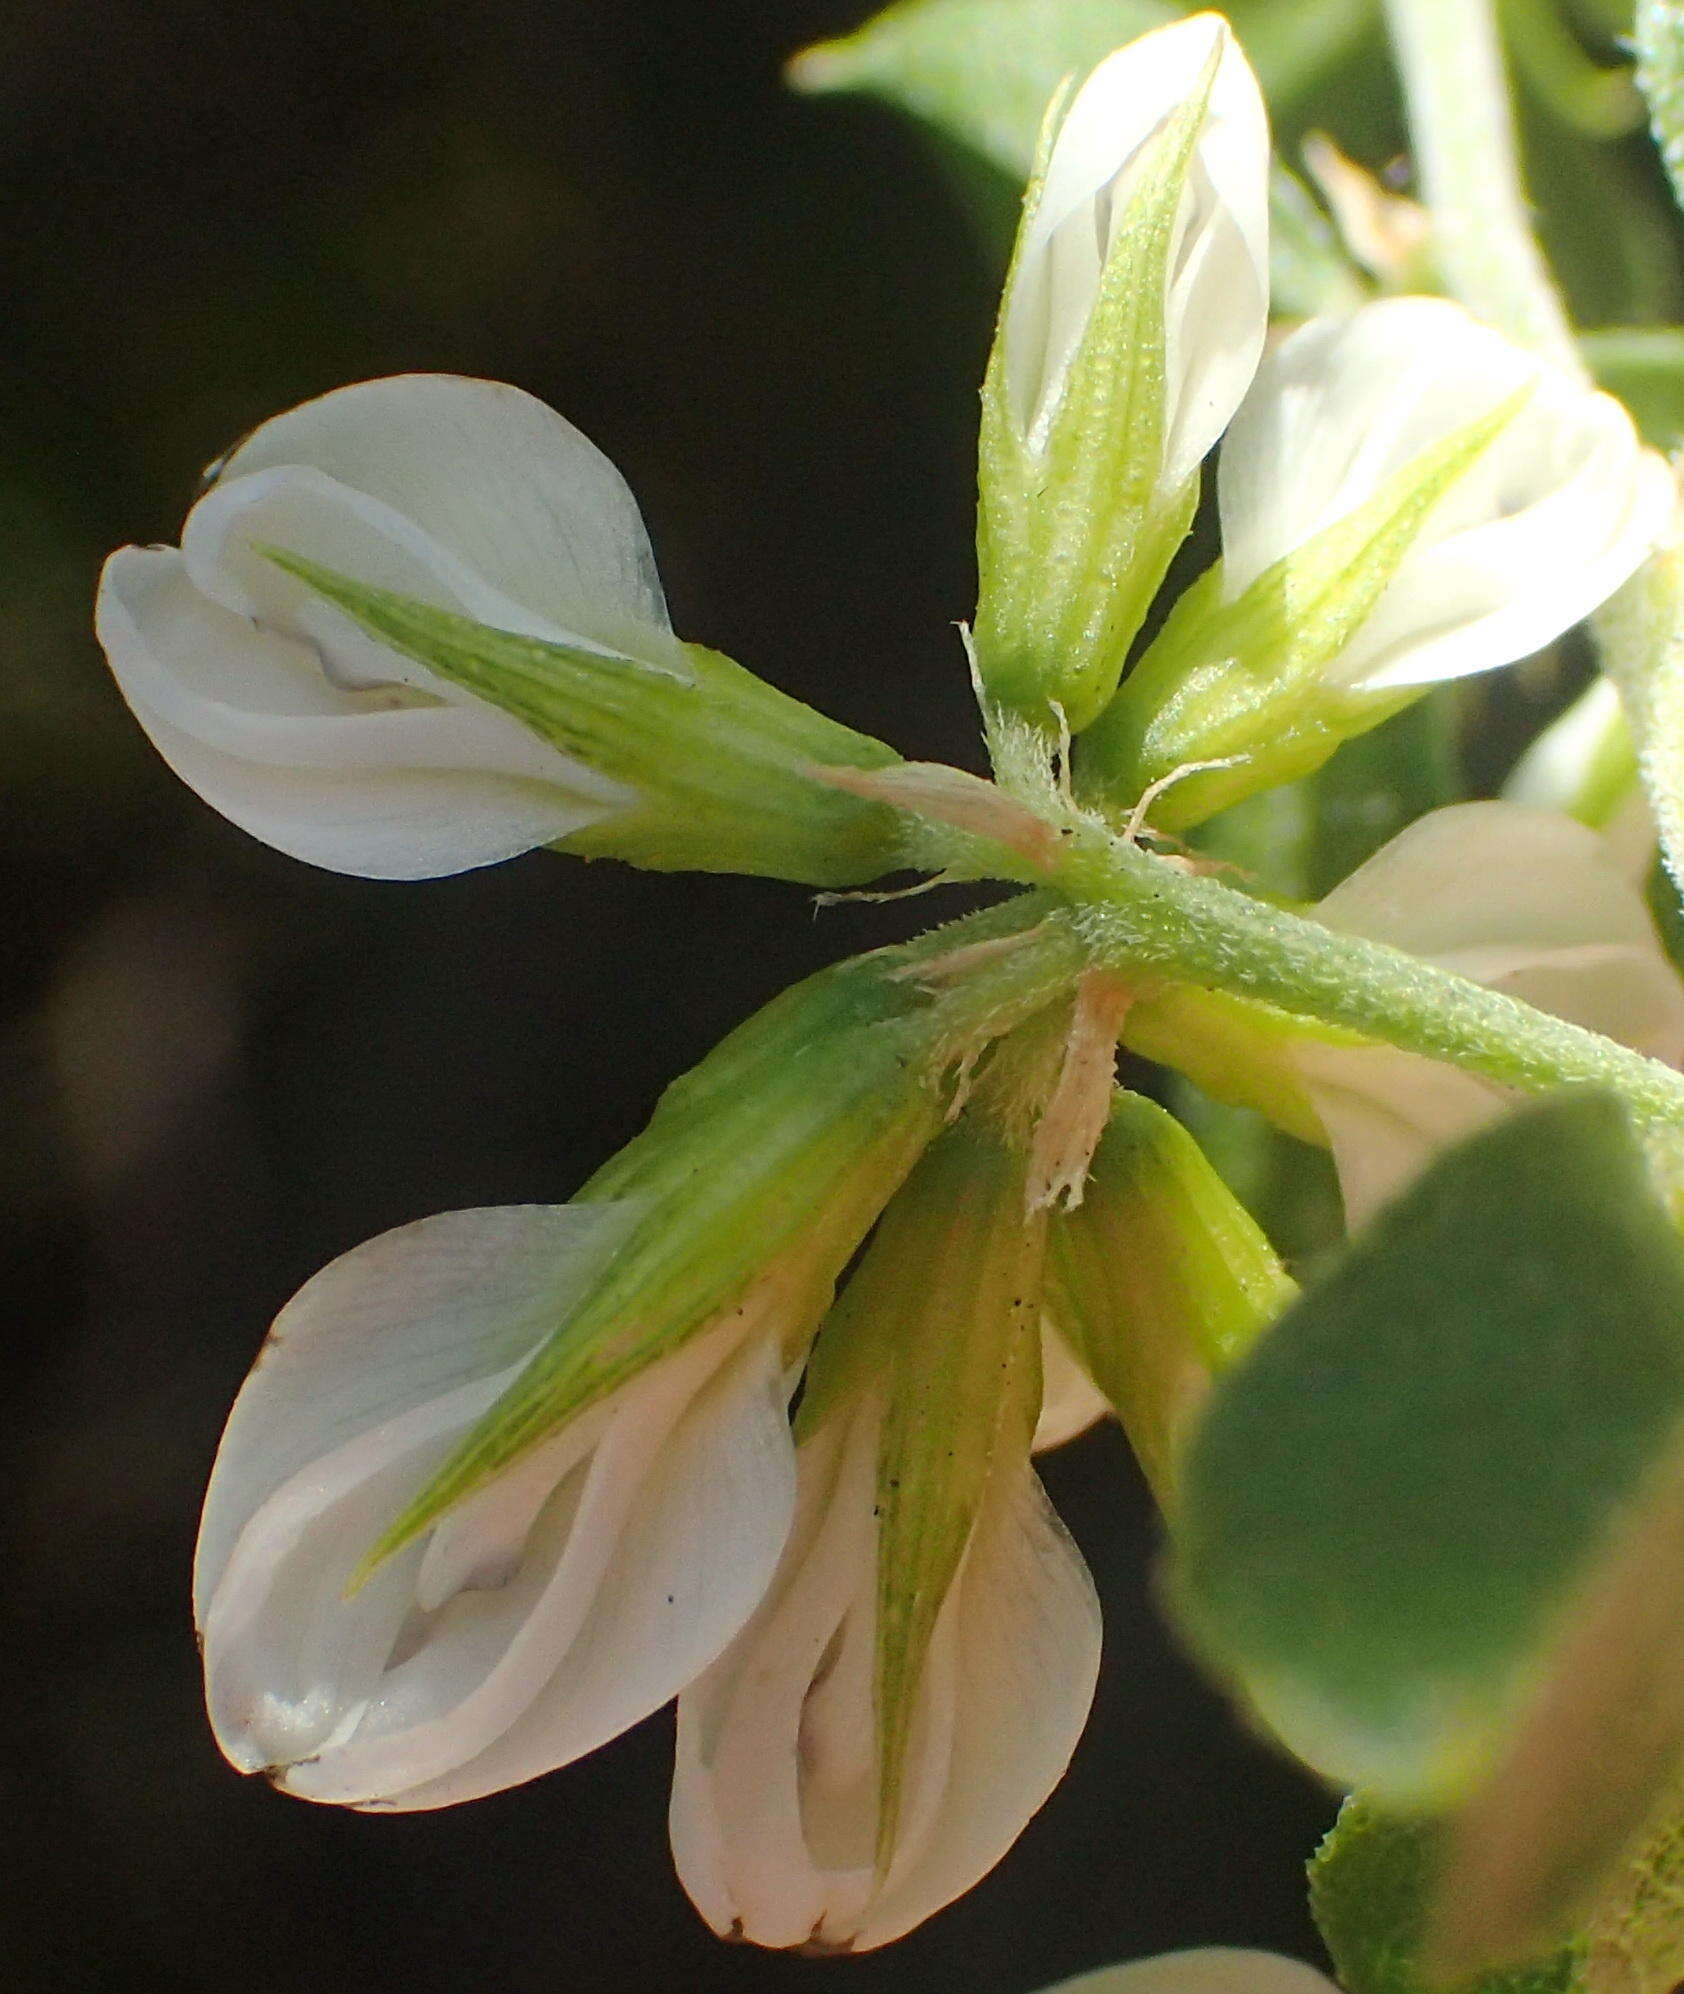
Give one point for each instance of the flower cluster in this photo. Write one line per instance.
(504, 1482)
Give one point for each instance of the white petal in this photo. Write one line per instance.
(1070, 1400)
(1548, 522)
(392, 784)
(1026, 1648)
(1522, 900)
(1343, 404)
(774, 1807)
(392, 1326)
(1217, 303)
(561, 1603)
(738, 1825)
(691, 1558)
(1208, 1970)
(1386, 1115)
(491, 474)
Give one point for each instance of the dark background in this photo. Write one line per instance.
(219, 1069)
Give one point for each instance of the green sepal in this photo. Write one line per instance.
(1074, 535)
(777, 1151)
(941, 1322)
(1246, 680)
(1395, 1496)
(1158, 1280)
(719, 763)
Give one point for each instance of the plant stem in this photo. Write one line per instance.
(1148, 919)
(1451, 62)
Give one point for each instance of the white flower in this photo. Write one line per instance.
(1522, 900)
(1217, 283)
(283, 715)
(774, 1807)
(1549, 520)
(1209, 1970)
(562, 1602)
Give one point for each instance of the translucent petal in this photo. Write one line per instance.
(1070, 1400)
(489, 473)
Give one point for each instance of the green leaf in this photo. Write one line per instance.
(1660, 76)
(1378, 1881)
(1371, 1885)
(1599, 1748)
(1394, 1497)
(982, 71)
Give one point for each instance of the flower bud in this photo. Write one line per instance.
(1406, 497)
(415, 626)
(1132, 322)
(867, 1749)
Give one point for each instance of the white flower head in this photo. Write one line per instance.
(1549, 519)
(558, 1604)
(775, 1797)
(270, 702)
(1522, 900)
(1216, 301)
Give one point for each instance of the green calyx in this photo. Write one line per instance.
(1074, 533)
(767, 1162)
(722, 767)
(1251, 681)
(1159, 1280)
(940, 1323)
(774, 1155)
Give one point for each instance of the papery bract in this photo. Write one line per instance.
(569, 1597)
(775, 1796)
(290, 720)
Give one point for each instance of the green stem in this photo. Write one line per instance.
(1460, 119)
(1145, 917)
